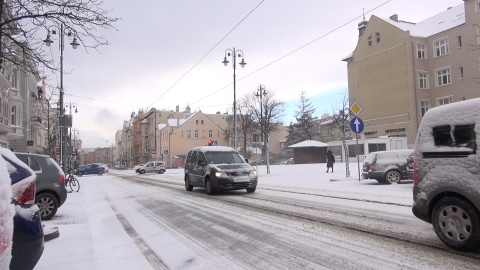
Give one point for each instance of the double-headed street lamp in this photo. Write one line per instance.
(234, 54)
(48, 41)
(260, 94)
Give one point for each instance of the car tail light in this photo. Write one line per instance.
(373, 167)
(62, 179)
(415, 170)
(24, 193)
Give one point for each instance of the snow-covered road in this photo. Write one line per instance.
(295, 220)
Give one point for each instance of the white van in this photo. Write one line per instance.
(446, 173)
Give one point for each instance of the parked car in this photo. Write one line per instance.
(218, 168)
(120, 167)
(288, 161)
(50, 192)
(78, 168)
(104, 166)
(27, 240)
(386, 166)
(446, 189)
(90, 169)
(152, 167)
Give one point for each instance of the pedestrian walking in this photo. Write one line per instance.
(330, 160)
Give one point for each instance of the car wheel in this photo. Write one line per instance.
(48, 205)
(188, 187)
(80, 174)
(209, 186)
(161, 171)
(251, 189)
(142, 171)
(393, 177)
(457, 223)
(100, 172)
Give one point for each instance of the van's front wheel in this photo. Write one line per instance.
(209, 186)
(457, 223)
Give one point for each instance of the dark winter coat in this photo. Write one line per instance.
(330, 160)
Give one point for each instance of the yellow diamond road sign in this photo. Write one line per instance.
(356, 108)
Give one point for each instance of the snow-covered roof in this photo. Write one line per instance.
(448, 19)
(309, 143)
(175, 122)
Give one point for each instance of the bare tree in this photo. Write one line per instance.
(340, 121)
(269, 117)
(245, 123)
(26, 23)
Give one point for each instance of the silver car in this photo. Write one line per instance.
(152, 167)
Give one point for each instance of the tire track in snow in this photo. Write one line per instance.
(145, 250)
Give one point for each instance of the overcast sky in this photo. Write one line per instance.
(289, 46)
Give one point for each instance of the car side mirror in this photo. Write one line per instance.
(246, 160)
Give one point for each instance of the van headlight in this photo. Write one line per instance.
(253, 173)
(221, 174)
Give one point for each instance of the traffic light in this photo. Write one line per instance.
(210, 142)
(75, 152)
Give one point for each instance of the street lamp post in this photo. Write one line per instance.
(48, 41)
(234, 54)
(260, 94)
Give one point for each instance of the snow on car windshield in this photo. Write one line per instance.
(223, 157)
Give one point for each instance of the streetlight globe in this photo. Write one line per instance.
(74, 43)
(48, 41)
(242, 64)
(225, 61)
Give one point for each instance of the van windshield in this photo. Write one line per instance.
(223, 158)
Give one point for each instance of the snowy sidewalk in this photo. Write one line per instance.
(90, 235)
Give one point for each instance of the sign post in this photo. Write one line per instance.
(356, 124)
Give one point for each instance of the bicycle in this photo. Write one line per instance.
(72, 182)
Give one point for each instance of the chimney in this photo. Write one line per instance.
(361, 27)
(394, 17)
(177, 108)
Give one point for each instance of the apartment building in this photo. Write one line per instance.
(401, 69)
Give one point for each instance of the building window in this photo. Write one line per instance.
(441, 47)
(14, 116)
(370, 40)
(189, 134)
(196, 122)
(443, 76)
(210, 133)
(422, 80)
(196, 133)
(460, 70)
(201, 122)
(444, 100)
(477, 6)
(421, 48)
(424, 106)
(459, 41)
(377, 36)
(13, 78)
(374, 147)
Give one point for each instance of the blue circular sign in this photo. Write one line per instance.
(356, 124)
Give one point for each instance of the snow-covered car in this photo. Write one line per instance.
(288, 161)
(27, 241)
(104, 166)
(446, 189)
(386, 166)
